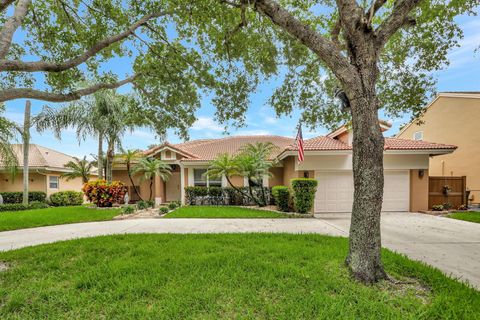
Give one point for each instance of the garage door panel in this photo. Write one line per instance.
(335, 191)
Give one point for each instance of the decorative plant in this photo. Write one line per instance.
(437, 207)
(151, 168)
(163, 210)
(447, 206)
(104, 194)
(282, 197)
(446, 189)
(304, 194)
(128, 209)
(66, 198)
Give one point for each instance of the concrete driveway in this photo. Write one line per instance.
(452, 246)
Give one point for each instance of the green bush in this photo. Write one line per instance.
(281, 194)
(150, 203)
(223, 196)
(66, 198)
(21, 207)
(437, 207)
(304, 194)
(17, 197)
(163, 210)
(142, 205)
(172, 205)
(37, 205)
(128, 209)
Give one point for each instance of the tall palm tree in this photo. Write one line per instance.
(8, 158)
(80, 168)
(128, 157)
(105, 115)
(151, 168)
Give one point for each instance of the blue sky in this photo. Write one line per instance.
(463, 74)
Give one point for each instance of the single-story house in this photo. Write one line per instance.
(453, 118)
(327, 158)
(45, 169)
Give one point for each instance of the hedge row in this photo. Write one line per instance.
(223, 196)
(66, 198)
(17, 197)
(21, 207)
(281, 194)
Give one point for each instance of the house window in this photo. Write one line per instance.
(200, 180)
(418, 135)
(53, 182)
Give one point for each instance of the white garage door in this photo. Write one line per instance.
(335, 191)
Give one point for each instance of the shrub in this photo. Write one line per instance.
(103, 194)
(462, 207)
(304, 194)
(447, 206)
(437, 207)
(223, 196)
(17, 197)
(142, 205)
(128, 209)
(282, 197)
(66, 198)
(172, 205)
(163, 210)
(38, 205)
(150, 203)
(21, 207)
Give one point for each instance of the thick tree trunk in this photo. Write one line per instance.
(100, 156)
(26, 150)
(364, 257)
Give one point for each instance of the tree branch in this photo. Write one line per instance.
(4, 4)
(397, 19)
(324, 48)
(11, 25)
(27, 93)
(16, 65)
(376, 5)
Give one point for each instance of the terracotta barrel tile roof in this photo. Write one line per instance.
(210, 149)
(321, 143)
(405, 144)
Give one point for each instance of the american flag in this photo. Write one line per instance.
(299, 143)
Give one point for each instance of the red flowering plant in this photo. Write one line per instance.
(103, 194)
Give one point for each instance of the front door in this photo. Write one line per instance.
(173, 191)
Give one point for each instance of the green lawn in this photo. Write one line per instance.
(472, 216)
(222, 212)
(51, 216)
(247, 276)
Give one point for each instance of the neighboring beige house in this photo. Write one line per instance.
(45, 168)
(327, 158)
(453, 118)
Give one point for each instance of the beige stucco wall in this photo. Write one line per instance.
(453, 120)
(418, 191)
(289, 170)
(37, 182)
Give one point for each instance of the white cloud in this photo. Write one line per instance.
(271, 120)
(206, 123)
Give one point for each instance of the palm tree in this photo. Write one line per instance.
(8, 158)
(105, 115)
(151, 168)
(128, 157)
(225, 165)
(80, 168)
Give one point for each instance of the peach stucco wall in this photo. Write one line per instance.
(39, 182)
(453, 120)
(121, 175)
(418, 191)
(277, 177)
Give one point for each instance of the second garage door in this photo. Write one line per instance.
(335, 191)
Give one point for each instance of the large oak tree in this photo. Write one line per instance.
(381, 53)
